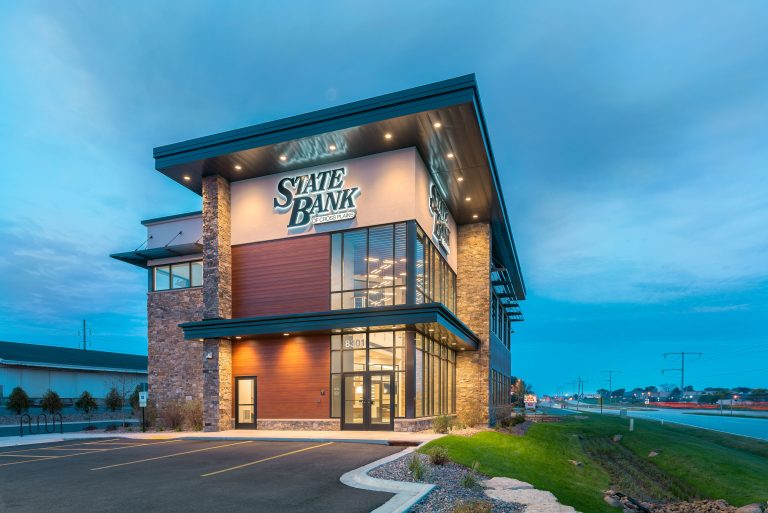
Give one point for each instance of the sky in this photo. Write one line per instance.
(631, 139)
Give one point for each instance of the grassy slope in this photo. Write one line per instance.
(711, 464)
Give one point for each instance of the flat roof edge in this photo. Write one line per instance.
(156, 220)
(317, 117)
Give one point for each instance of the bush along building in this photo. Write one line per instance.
(351, 268)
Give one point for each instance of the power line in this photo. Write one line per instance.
(682, 367)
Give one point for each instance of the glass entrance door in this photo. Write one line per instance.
(245, 402)
(367, 401)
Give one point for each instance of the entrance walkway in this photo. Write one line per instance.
(369, 437)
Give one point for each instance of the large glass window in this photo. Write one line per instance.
(501, 324)
(435, 378)
(435, 280)
(368, 267)
(177, 276)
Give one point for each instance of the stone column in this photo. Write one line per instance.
(217, 303)
(473, 296)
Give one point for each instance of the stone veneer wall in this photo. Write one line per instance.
(175, 365)
(218, 396)
(473, 296)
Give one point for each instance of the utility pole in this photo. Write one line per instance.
(610, 381)
(85, 333)
(681, 369)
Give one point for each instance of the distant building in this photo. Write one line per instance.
(66, 371)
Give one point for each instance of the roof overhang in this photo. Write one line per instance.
(357, 129)
(431, 317)
(140, 257)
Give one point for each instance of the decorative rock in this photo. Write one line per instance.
(575, 463)
(613, 501)
(506, 483)
(653, 454)
(617, 438)
(750, 508)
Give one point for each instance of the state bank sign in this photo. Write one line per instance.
(316, 198)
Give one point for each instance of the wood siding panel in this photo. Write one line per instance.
(283, 276)
(291, 372)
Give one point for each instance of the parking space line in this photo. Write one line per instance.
(171, 455)
(264, 459)
(24, 456)
(78, 453)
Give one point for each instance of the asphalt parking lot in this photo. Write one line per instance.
(118, 475)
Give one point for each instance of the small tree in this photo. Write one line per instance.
(114, 400)
(18, 401)
(51, 402)
(86, 404)
(133, 399)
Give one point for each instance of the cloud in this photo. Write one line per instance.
(723, 308)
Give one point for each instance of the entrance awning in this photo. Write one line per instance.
(434, 318)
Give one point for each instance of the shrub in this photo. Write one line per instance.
(193, 414)
(473, 414)
(469, 480)
(114, 401)
(18, 401)
(51, 402)
(473, 507)
(513, 421)
(133, 399)
(86, 404)
(438, 455)
(441, 424)
(417, 468)
(172, 414)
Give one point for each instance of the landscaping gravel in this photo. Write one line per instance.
(448, 491)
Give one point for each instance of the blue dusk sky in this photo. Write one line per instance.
(631, 138)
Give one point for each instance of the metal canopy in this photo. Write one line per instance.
(140, 257)
(430, 317)
(458, 148)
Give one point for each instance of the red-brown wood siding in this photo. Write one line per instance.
(291, 372)
(284, 276)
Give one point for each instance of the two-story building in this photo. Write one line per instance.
(351, 268)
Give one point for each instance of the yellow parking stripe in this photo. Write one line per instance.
(264, 459)
(79, 453)
(171, 455)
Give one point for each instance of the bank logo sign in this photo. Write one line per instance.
(316, 198)
(441, 231)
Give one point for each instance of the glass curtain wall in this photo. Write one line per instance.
(374, 351)
(435, 280)
(434, 378)
(368, 267)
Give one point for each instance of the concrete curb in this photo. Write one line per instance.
(270, 439)
(406, 494)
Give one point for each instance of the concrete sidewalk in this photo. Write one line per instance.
(369, 437)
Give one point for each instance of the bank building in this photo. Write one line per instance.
(351, 268)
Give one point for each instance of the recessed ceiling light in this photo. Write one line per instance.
(238, 167)
(387, 136)
(187, 178)
(437, 124)
(460, 179)
(283, 158)
(238, 338)
(474, 216)
(332, 147)
(450, 155)
(467, 199)
(286, 334)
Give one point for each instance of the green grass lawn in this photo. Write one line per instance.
(691, 462)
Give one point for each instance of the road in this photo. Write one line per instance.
(755, 428)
